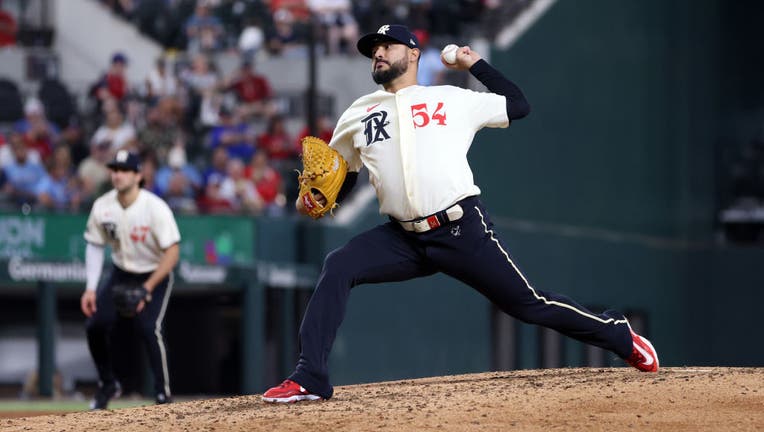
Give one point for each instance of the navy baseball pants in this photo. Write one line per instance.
(466, 249)
(149, 322)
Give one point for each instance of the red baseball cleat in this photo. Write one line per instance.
(643, 355)
(288, 391)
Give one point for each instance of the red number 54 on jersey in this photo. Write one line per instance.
(422, 116)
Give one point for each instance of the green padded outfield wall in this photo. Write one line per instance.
(623, 100)
(614, 168)
(210, 240)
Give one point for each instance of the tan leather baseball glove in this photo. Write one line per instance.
(323, 171)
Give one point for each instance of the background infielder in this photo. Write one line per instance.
(414, 142)
(143, 236)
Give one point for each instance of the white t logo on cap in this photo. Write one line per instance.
(121, 156)
(384, 29)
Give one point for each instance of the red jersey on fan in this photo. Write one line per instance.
(267, 182)
(8, 28)
(252, 88)
(116, 85)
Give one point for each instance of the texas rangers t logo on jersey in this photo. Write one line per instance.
(110, 228)
(374, 127)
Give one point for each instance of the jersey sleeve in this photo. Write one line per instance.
(164, 228)
(342, 141)
(488, 109)
(93, 231)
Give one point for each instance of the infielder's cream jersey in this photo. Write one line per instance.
(137, 234)
(414, 144)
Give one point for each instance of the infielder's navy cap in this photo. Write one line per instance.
(125, 160)
(119, 58)
(387, 33)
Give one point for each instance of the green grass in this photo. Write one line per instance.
(66, 405)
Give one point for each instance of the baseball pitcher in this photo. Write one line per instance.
(414, 142)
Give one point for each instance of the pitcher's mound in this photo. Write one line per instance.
(612, 399)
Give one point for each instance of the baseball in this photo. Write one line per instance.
(449, 53)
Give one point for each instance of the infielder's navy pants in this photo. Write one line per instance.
(466, 249)
(149, 323)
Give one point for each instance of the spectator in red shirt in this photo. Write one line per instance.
(212, 201)
(39, 133)
(116, 83)
(113, 84)
(297, 8)
(266, 179)
(8, 28)
(276, 142)
(253, 91)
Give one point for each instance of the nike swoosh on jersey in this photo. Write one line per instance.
(648, 358)
(372, 107)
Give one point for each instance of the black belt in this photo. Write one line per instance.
(427, 223)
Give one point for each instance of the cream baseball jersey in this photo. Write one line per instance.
(137, 234)
(414, 143)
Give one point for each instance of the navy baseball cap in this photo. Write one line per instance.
(119, 58)
(387, 33)
(125, 160)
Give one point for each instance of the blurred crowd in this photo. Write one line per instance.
(210, 143)
(281, 27)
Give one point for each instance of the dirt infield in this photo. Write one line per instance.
(16, 414)
(675, 399)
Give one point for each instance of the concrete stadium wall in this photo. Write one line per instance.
(88, 34)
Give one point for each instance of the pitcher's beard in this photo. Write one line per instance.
(394, 71)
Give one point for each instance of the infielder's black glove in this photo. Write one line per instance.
(127, 297)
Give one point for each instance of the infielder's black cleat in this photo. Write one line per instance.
(162, 399)
(104, 394)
